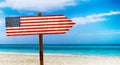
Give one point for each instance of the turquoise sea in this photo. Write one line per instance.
(74, 49)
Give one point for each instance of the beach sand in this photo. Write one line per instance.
(27, 59)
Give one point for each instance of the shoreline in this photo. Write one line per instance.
(52, 54)
(19, 53)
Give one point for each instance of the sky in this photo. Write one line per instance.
(97, 21)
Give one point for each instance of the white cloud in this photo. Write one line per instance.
(94, 17)
(108, 14)
(37, 5)
(87, 19)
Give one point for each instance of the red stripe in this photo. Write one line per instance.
(43, 18)
(46, 21)
(34, 34)
(53, 15)
(48, 32)
(36, 31)
(39, 28)
(48, 24)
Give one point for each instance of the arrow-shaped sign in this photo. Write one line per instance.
(29, 25)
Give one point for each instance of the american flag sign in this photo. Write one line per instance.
(30, 25)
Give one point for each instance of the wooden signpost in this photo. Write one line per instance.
(41, 46)
(33, 25)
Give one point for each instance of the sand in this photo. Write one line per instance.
(30, 59)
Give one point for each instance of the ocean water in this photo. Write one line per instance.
(74, 49)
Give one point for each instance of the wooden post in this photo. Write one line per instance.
(41, 46)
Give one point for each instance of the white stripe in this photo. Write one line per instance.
(37, 26)
(41, 17)
(43, 20)
(36, 29)
(37, 32)
(46, 23)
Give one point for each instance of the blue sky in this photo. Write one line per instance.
(97, 21)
